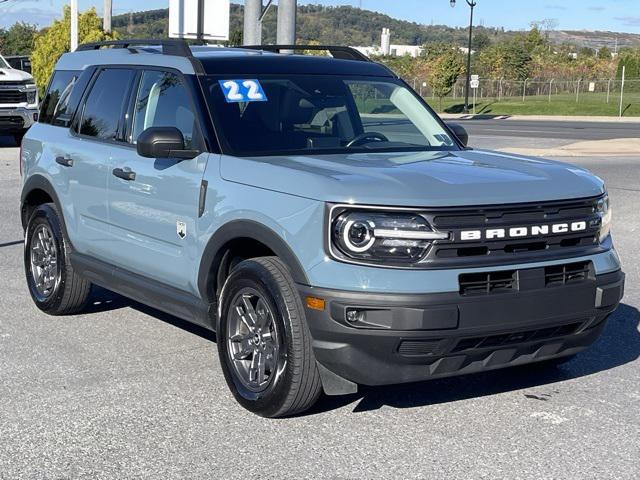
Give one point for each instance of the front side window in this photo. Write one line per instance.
(104, 105)
(163, 101)
(302, 114)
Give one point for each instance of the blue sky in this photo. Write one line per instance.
(613, 15)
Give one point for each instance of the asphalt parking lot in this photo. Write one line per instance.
(126, 392)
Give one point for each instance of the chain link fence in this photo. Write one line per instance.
(591, 96)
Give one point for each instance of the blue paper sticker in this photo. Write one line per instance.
(248, 90)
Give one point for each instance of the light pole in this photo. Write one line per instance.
(471, 3)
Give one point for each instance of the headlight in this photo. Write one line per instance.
(385, 238)
(32, 96)
(604, 210)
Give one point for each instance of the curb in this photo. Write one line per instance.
(541, 118)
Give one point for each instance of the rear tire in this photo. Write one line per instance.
(53, 284)
(264, 343)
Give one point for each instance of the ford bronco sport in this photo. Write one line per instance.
(314, 212)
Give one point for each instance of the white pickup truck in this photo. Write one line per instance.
(18, 101)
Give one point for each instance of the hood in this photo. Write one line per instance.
(12, 75)
(423, 179)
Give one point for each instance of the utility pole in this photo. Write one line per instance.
(251, 33)
(471, 3)
(108, 11)
(287, 22)
(74, 25)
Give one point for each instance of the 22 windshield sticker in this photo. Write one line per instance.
(245, 90)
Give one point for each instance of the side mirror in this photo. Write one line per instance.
(163, 142)
(459, 131)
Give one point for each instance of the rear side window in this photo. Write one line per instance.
(163, 101)
(104, 105)
(59, 89)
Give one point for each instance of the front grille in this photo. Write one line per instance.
(484, 283)
(16, 83)
(411, 348)
(494, 251)
(12, 121)
(557, 275)
(12, 96)
(517, 337)
(489, 282)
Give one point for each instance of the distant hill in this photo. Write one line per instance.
(346, 25)
(595, 39)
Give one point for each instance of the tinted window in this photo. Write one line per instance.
(163, 101)
(103, 107)
(61, 80)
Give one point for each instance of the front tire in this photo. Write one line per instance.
(53, 284)
(264, 343)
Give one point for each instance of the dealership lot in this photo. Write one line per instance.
(126, 392)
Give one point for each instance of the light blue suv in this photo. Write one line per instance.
(314, 212)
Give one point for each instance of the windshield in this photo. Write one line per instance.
(300, 114)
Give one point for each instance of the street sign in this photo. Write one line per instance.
(475, 81)
(592, 86)
(205, 19)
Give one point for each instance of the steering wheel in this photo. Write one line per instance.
(360, 139)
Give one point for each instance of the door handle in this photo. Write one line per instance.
(65, 162)
(124, 174)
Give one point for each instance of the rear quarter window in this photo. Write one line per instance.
(57, 94)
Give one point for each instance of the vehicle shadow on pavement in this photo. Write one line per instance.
(618, 345)
(103, 300)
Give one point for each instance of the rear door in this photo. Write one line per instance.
(154, 211)
(97, 128)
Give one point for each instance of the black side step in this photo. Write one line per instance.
(150, 292)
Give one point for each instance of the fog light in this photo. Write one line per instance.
(356, 316)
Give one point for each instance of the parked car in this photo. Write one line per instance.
(18, 101)
(314, 212)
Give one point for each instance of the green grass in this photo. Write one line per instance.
(588, 104)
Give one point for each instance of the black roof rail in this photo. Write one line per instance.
(170, 46)
(336, 51)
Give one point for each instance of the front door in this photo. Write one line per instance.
(153, 203)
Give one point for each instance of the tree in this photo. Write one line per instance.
(586, 52)
(444, 73)
(508, 60)
(55, 41)
(436, 49)
(235, 39)
(18, 40)
(630, 59)
(480, 41)
(604, 54)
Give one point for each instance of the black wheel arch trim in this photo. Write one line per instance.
(39, 182)
(212, 254)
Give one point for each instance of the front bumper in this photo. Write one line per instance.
(17, 119)
(414, 337)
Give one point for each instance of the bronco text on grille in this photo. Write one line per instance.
(519, 232)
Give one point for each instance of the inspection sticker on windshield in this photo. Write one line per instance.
(236, 91)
